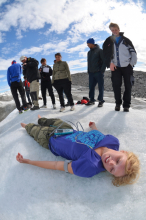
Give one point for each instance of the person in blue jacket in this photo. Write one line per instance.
(14, 81)
(87, 153)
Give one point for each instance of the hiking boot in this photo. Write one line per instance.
(35, 108)
(72, 108)
(90, 103)
(67, 104)
(62, 109)
(100, 104)
(126, 109)
(25, 108)
(54, 106)
(20, 111)
(117, 108)
(43, 106)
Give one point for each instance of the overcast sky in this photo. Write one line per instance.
(40, 28)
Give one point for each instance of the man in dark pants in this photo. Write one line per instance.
(120, 56)
(96, 69)
(46, 72)
(30, 70)
(116, 78)
(14, 80)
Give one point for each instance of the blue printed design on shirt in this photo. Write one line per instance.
(90, 138)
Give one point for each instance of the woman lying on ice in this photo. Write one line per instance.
(87, 153)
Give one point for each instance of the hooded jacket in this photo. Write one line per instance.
(14, 73)
(95, 60)
(30, 70)
(122, 53)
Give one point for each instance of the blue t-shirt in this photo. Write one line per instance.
(80, 148)
(118, 39)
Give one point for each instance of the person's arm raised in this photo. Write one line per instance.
(52, 165)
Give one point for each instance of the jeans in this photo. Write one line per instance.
(95, 78)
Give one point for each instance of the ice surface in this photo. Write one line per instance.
(6, 96)
(7, 104)
(32, 193)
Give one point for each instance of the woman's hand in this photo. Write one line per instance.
(92, 125)
(20, 159)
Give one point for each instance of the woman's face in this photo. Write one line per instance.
(115, 162)
(58, 58)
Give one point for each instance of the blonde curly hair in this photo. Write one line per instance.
(132, 171)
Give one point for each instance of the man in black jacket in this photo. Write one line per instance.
(30, 70)
(96, 69)
(120, 56)
(46, 72)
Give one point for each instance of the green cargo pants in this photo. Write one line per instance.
(41, 132)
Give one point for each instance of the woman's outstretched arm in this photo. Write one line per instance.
(52, 165)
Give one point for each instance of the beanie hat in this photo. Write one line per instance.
(22, 58)
(14, 61)
(90, 41)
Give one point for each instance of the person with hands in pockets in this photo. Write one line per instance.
(120, 56)
(96, 69)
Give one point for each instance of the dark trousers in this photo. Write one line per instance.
(95, 78)
(18, 86)
(126, 73)
(28, 96)
(63, 85)
(46, 85)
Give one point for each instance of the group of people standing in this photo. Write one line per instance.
(61, 81)
(118, 54)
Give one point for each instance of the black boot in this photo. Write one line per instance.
(126, 109)
(100, 104)
(117, 108)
